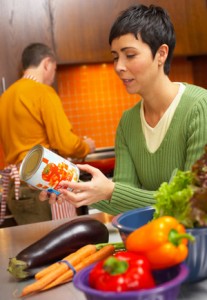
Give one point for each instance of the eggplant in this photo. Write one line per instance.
(58, 243)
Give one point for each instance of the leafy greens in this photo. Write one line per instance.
(185, 197)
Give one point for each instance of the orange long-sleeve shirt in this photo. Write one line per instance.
(31, 113)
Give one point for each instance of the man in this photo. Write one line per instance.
(31, 113)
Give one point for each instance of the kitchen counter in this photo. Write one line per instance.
(14, 239)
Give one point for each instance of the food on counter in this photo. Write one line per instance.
(72, 259)
(65, 239)
(185, 197)
(77, 256)
(124, 271)
(64, 270)
(163, 241)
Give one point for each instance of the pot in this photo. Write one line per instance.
(102, 159)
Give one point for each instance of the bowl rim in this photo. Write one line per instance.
(116, 219)
(126, 229)
(175, 282)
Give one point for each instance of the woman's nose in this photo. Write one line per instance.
(120, 66)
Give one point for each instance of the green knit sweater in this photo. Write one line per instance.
(138, 173)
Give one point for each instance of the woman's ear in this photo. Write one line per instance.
(162, 54)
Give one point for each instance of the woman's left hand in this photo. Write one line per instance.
(83, 193)
(87, 193)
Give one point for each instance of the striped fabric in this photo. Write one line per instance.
(63, 210)
(59, 211)
(8, 173)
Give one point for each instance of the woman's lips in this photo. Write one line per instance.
(127, 81)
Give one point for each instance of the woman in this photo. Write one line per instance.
(163, 132)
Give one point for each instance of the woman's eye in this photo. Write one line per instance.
(115, 58)
(130, 55)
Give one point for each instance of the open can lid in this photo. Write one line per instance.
(31, 162)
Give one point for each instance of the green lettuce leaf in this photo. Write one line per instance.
(185, 196)
(172, 198)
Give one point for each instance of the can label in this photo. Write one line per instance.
(44, 169)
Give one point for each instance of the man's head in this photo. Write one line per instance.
(151, 23)
(38, 56)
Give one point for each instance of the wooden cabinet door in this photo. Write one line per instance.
(196, 12)
(177, 12)
(21, 22)
(78, 30)
(189, 18)
(81, 28)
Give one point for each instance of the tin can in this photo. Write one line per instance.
(44, 169)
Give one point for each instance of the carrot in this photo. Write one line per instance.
(68, 275)
(51, 268)
(73, 259)
(41, 283)
(76, 259)
(59, 269)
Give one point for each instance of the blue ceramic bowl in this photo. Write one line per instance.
(168, 280)
(197, 255)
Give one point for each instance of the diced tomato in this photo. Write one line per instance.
(49, 170)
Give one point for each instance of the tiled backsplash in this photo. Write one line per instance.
(94, 98)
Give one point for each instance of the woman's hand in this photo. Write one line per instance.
(83, 193)
(87, 193)
(51, 197)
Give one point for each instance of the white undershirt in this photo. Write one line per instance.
(29, 76)
(155, 135)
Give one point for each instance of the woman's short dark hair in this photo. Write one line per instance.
(152, 23)
(34, 53)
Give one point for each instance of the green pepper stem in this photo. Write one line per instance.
(117, 246)
(114, 266)
(175, 237)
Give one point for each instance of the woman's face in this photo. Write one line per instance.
(134, 64)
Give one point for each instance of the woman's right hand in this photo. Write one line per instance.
(51, 197)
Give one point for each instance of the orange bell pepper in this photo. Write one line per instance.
(163, 241)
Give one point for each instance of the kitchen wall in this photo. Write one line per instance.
(94, 98)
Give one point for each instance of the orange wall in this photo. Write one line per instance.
(94, 98)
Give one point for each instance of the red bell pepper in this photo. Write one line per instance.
(124, 271)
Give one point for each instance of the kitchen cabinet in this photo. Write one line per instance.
(21, 22)
(81, 28)
(78, 29)
(199, 66)
(189, 18)
(196, 17)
